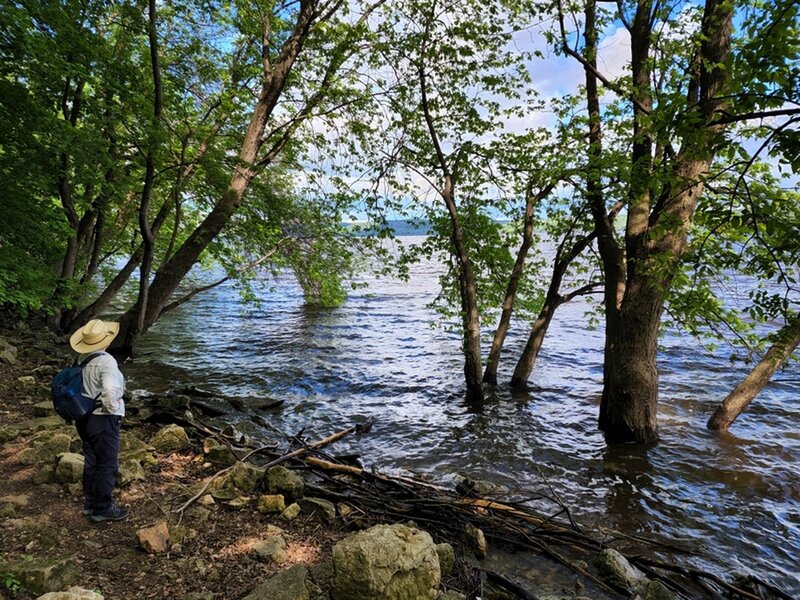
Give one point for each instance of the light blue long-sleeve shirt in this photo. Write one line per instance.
(103, 380)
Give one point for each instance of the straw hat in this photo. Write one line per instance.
(96, 335)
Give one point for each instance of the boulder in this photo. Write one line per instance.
(386, 562)
(69, 468)
(172, 438)
(155, 539)
(616, 569)
(73, 593)
(40, 424)
(44, 448)
(290, 584)
(323, 509)
(271, 503)
(281, 480)
(655, 590)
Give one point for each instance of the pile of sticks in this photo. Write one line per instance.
(374, 497)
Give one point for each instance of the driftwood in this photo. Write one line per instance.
(375, 497)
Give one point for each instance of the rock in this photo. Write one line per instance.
(206, 500)
(8, 433)
(27, 380)
(454, 595)
(386, 562)
(241, 479)
(43, 409)
(39, 576)
(618, 571)
(238, 503)
(69, 468)
(467, 486)
(200, 596)
(319, 507)
(272, 548)
(291, 513)
(447, 558)
(246, 476)
(16, 500)
(281, 480)
(476, 540)
(655, 590)
(198, 514)
(218, 454)
(8, 353)
(172, 438)
(73, 593)
(287, 585)
(155, 539)
(272, 503)
(44, 449)
(40, 424)
(129, 471)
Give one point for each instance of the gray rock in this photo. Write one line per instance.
(287, 585)
(323, 509)
(172, 438)
(617, 570)
(40, 424)
(386, 562)
(281, 480)
(477, 540)
(73, 593)
(69, 468)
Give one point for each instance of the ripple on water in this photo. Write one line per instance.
(734, 497)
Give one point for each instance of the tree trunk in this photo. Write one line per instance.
(174, 270)
(655, 241)
(758, 378)
(527, 359)
(492, 363)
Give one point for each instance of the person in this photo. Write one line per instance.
(100, 430)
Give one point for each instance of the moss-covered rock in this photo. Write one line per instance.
(69, 468)
(281, 480)
(44, 449)
(172, 438)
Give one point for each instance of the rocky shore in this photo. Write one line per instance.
(207, 525)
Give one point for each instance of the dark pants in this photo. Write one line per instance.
(100, 435)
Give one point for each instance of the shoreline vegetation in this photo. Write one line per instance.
(216, 515)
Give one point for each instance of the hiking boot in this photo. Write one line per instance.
(112, 513)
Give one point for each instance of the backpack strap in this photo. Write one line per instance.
(89, 359)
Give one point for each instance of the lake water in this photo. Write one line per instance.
(733, 498)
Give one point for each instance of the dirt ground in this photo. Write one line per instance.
(214, 557)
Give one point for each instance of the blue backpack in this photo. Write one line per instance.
(67, 392)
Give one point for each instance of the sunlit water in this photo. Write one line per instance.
(732, 498)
